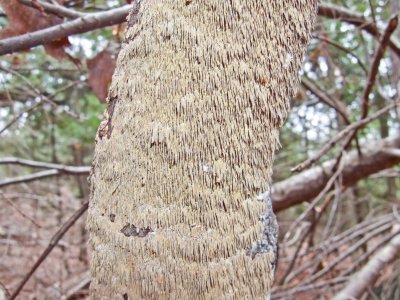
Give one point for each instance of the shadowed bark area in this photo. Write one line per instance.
(183, 159)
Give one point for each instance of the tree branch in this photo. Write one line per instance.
(349, 129)
(54, 9)
(371, 271)
(332, 11)
(375, 64)
(44, 174)
(44, 165)
(306, 185)
(53, 242)
(83, 24)
(325, 98)
(344, 49)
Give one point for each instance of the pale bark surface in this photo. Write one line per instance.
(186, 147)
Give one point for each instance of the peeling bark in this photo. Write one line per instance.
(201, 89)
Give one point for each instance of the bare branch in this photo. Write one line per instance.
(349, 129)
(44, 174)
(72, 288)
(344, 49)
(16, 118)
(343, 255)
(375, 64)
(53, 242)
(44, 165)
(336, 12)
(370, 252)
(325, 98)
(321, 194)
(306, 185)
(83, 24)
(371, 271)
(13, 205)
(58, 10)
(288, 293)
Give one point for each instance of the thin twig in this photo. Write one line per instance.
(326, 203)
(357, 19)
(295, 256)
(337, 45)
(25, 216)
(58, 10)
(44, 165)
(53, 242)
(349, 129)
(36, 91)
(370, 252)
(353, 233)
(43, 174)
(347, 253)
(16, 118)
(373, 72)
(303, 288)
(84, 24)
(312, 205)
(334, 103)
(368, 275)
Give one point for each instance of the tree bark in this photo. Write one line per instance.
(179, 205)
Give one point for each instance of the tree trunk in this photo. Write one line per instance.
(183, 159)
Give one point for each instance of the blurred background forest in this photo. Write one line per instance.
(336, 178)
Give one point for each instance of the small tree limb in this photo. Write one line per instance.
(43, 165)
(53, 242)
(368, 275)
(80, 25)
(54, 9)
(332, 11)
(302, 187)
(43, 174)
(376, 62)
(346, 131)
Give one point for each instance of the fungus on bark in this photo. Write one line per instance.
(200, 91)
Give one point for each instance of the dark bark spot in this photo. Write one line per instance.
(112, 217)
(131, 230)
(125, 296)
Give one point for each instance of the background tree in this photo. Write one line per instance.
(49, 116)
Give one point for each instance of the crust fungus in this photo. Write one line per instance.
(200, 91)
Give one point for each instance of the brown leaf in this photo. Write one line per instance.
(101, 68)
(23, 19)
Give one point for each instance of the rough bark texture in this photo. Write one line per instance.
(179, 206)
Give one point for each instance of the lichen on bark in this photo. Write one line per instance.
(200, 91)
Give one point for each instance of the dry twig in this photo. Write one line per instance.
(83, 24)
(349, 129)
(53, 242)
(368, 275)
